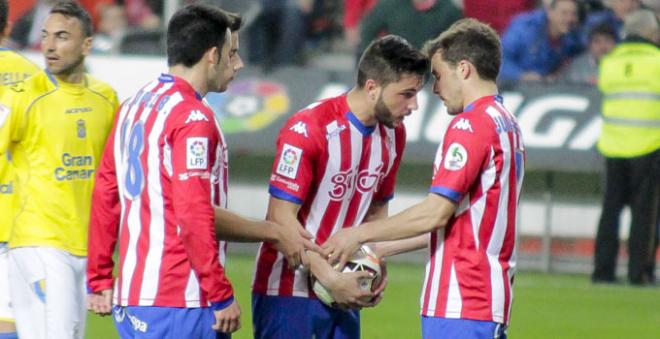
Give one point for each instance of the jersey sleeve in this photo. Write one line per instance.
(386, 190)
(13, 108)
(458, 164)
(295, 160)
(104, 222)
(193, 144)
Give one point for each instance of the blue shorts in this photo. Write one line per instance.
(165, 322)
(276, 317)
(440, 328)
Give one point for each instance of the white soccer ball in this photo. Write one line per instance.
(364, 259)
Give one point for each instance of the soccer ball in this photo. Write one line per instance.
(364, 259)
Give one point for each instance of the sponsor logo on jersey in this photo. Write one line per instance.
(75, 167)
(82, 130)
(289, 161)
(4, 113)
(346, 182)
(456, 157)
(196, 115)
(197, 153)
(299, 128)
(78, 110)
(463, 124)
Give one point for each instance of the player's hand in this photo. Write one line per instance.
(292, 241)
(345, 290)
(339, 248)
(380, 289)
(228, 320)
(100, 302)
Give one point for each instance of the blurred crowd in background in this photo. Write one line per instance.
(543, 40)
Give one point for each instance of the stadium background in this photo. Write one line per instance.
(559, 209)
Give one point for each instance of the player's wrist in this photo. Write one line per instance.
(221, 305)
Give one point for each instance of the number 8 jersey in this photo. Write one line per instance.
(163, 170)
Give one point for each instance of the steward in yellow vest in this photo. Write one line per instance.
(630, 141)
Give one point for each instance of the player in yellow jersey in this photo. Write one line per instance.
(13, 67)
(55, 127)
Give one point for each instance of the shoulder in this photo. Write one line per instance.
(191, 113)
(32, 88)
(318, 114)
(101, 88)
(16, 60)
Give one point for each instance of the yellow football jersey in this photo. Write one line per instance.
(56, 132)
(13, 68)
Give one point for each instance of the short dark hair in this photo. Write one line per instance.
(235, 21)
(4, 13)
(72, 9)
(471, 40)
(193, 30)
(602, 29)
(386, 59)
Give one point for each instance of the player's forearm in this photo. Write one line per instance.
(428, 215)
(231, 226)
(389, 248)
(320, 268)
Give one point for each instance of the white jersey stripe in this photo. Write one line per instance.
(192, 291)
(500, 227)
(435, 279)
(275, 274)
(130, 259)
(151, 275)
(477, 210)
(454, 298)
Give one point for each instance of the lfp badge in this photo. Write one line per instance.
(249, 105)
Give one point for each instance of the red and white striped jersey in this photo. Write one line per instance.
(334, 167)
(163, 170)
(480, 166)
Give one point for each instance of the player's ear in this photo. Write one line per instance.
(212, 55)
(371, 88)
(87, 46)
(464, 69)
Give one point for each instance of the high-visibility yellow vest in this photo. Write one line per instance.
(630, 82)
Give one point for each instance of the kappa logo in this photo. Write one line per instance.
(300, 128)
(463, 124)
(196, 115)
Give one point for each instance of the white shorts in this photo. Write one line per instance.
(47, 287)
(6, 314)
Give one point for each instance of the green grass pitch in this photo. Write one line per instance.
(545, 306)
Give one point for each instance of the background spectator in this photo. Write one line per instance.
(354, 11)
(630, 143)
(584, 68)
(537, 43)
(496, 13)
(415, 20)
(111, 29)
(613, 15)
(278, 34)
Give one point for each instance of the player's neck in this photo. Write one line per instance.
(358, 105)
(76, 76)
(191, 75)
(478, 90)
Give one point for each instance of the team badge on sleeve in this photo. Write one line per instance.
(197, 153)
(289, 161)
(456, 157)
